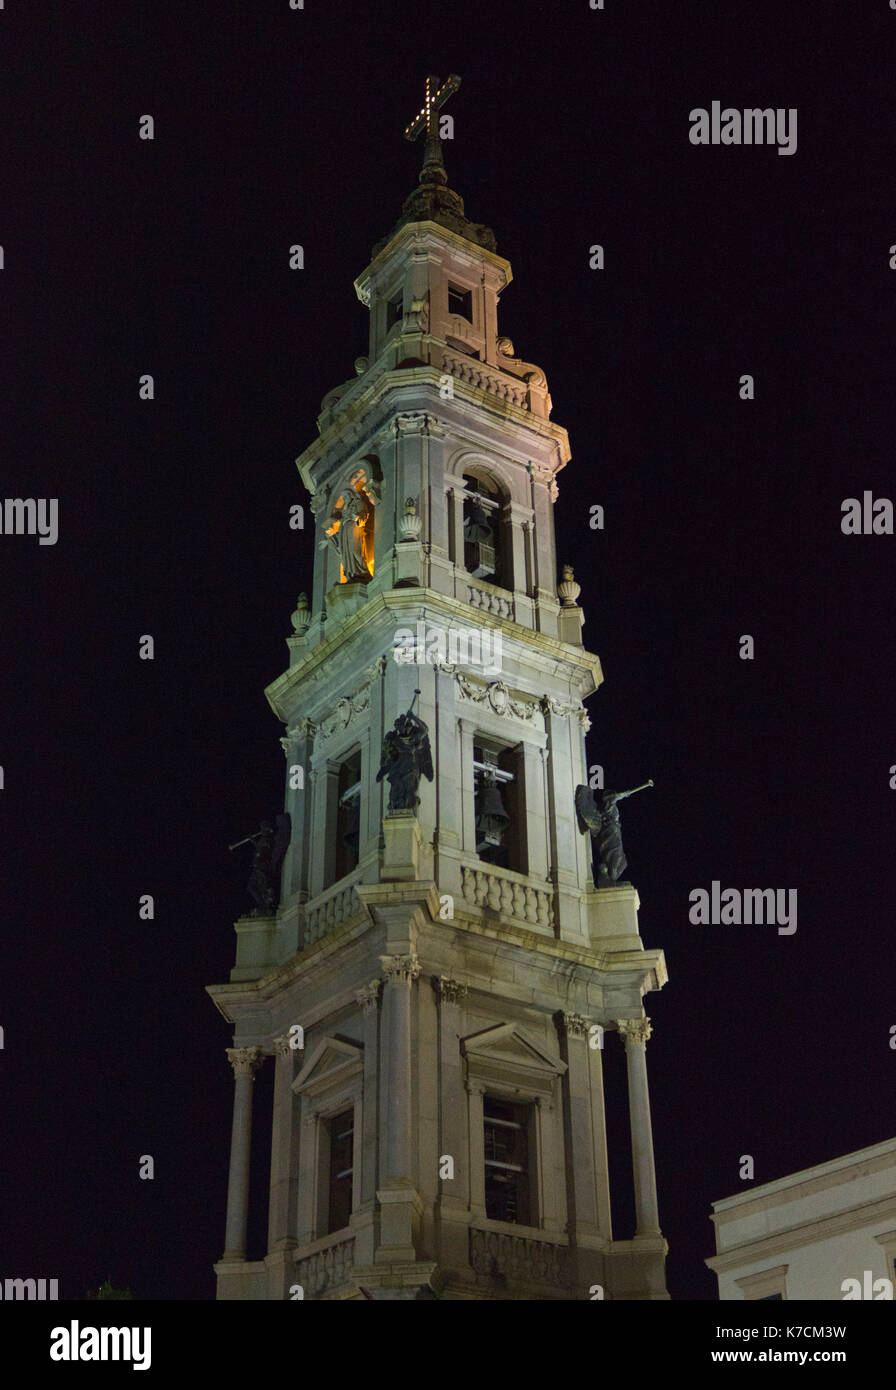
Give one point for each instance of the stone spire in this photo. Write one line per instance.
(432, 200)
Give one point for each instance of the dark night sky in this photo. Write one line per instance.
(125, 777)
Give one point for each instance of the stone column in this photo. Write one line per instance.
(368, 998)
(399, 1203)
(281, 1213)
(456, 537)
(635, 1032)
(245, 1062)
(476, 1092)
(297, 745)
(467, 785)
(573, 1029)
(400, 973)
(454, 1193)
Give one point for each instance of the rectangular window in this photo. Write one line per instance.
(342, 1144)
(500, 807)
(508, 1180)
(348, 816)
(394, 311)
(460, 301)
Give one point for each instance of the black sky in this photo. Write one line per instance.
(125, 777)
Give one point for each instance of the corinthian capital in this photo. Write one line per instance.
(400, 967)
(634, 1031)
(575, 1025)
(452, 991)
(368, 995)
(245, 1060)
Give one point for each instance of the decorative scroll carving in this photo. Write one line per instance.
(347, 709)
(326, 1269)
(551, 706)
(497, 696)
(510, 896)
(351, 706)
(519, 1259)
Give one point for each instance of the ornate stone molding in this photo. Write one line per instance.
(405, 968)
(451, 991)
(245, 1060)
(349, 707)
(281, 1046)
(410, 422)
(634, 1030)
(368, 996)
(497, 696)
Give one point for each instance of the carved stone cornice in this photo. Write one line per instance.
(451, 991)
(634, 1031)
(406, 968)
(368, 996)
(245, 1060)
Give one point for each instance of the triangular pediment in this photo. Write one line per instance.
(507, 1046)
(332, 1061)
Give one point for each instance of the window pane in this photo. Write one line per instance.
(507, 1179)
(342, 1138)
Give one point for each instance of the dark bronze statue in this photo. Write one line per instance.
(406, 758)
(269, 844)
(602, 819)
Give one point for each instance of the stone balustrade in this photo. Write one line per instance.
(519, 1259)
(326, 1269)
(509, 893)
(330, 909)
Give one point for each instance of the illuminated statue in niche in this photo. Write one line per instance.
(350, 531)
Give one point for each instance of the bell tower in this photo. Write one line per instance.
(435, 973)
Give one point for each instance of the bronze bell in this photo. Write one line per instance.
(491, 819)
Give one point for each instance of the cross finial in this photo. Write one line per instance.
(426, 122)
